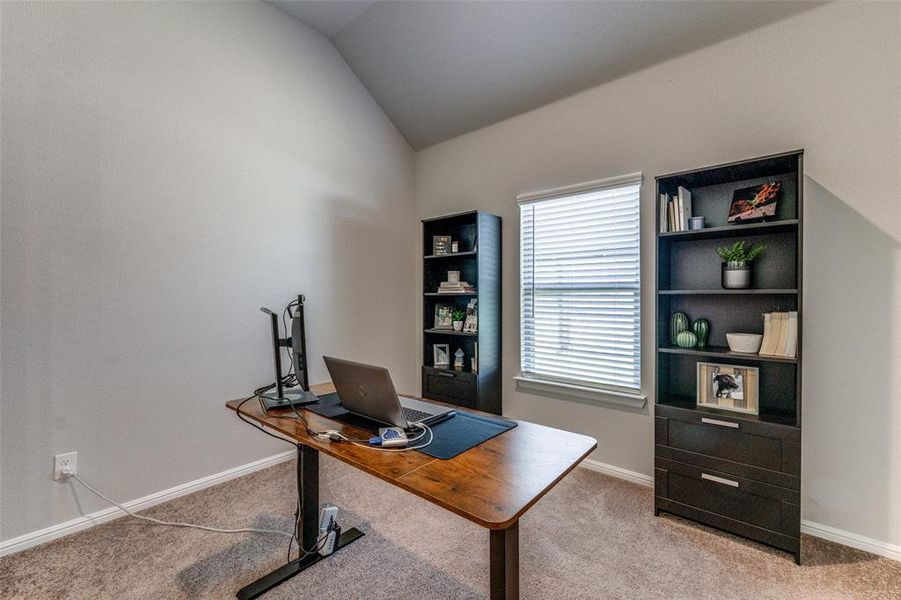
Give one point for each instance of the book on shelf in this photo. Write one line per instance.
(455, 287)
(663, 217)
(685, 208)
(780, 334)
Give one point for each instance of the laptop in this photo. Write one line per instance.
(367, 391)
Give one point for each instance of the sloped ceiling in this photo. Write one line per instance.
(442, 68)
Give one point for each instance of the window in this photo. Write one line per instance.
(580, 286)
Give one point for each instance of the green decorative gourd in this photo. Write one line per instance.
(686, 339)
(678, 324)
(702, 329)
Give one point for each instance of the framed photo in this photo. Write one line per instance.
(728, 387)
(441, 244)
(471, 324)
(441, 355)
(756, 203)
(444, 316)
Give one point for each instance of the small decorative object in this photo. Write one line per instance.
(728, 387)
(737, 264)
(453, 276)
(702, 329)
(455, 247)
(471, 325)
(475, 359)
(678, 324)
(752, 204)
(444, 317)
(696, 223)
(441, 355)
(686, 339)
(458, 359)
(441, 244)
(458, 316)
(749, 343)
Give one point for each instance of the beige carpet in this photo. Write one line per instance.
(591, 537)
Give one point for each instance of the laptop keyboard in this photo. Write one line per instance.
(415, 416)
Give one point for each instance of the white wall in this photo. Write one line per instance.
(167, 169)
(828, 81)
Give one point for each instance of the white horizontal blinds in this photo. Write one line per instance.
(580, 287)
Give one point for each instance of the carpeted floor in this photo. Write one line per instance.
(591, 537)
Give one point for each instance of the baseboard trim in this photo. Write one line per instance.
(846, 538)
(43, 536)
(618, 472)
(825, 532)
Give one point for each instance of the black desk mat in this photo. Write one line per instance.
(451, 437)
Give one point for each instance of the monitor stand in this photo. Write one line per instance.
(292, 396)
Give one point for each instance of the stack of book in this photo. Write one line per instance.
(455, 287)
(675, 211)
(780, 334)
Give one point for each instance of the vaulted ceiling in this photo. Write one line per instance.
(442, 68)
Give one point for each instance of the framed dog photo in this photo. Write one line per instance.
(728, 387)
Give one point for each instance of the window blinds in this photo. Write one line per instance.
(580, 296)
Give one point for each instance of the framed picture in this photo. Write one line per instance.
(441, 355)
(444, 316)
(453, 276)
(756, 203)
(471, 324)
(441, 244)
(728, 387)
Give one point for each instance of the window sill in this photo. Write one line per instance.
(636, 400)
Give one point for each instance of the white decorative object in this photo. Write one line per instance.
(453, 276)
(458, 358)
(748, 343)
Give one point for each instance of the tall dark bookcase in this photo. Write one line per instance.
(737, 472)
(478, 258)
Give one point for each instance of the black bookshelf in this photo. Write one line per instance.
(737, 472)
(478, 259)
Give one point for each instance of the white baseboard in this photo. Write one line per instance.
(853, 540)
(618, 472)
(43, 536)
(825, 532)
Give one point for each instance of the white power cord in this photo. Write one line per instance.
(69, 473)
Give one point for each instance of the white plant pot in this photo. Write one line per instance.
(458, 325)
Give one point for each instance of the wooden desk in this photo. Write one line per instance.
(492, 485)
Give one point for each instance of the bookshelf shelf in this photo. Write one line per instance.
(724, 292)
(762, 450)
(450, 332)
(724, 352)
(471, 253)
(730, 231)
(451, 294)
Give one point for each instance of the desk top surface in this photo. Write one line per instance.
(492, 484)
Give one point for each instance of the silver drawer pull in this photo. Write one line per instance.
(722, 480)
(718, 422)
(444, 374)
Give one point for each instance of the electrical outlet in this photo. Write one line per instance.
(64, 461)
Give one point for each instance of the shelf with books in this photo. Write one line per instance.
(728, 231)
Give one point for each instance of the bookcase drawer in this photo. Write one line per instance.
(764, 447)
(760, 505)
(456, 387)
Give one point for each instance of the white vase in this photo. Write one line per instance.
(458, 325)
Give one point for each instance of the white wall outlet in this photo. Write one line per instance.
(64, 461)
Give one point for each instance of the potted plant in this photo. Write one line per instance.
(737, 264)
(458, 316)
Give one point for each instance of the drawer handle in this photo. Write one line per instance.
(718, 422)
(445, 374)
(722, 480)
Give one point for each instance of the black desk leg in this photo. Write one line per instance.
(504, 561)
(308, 493)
